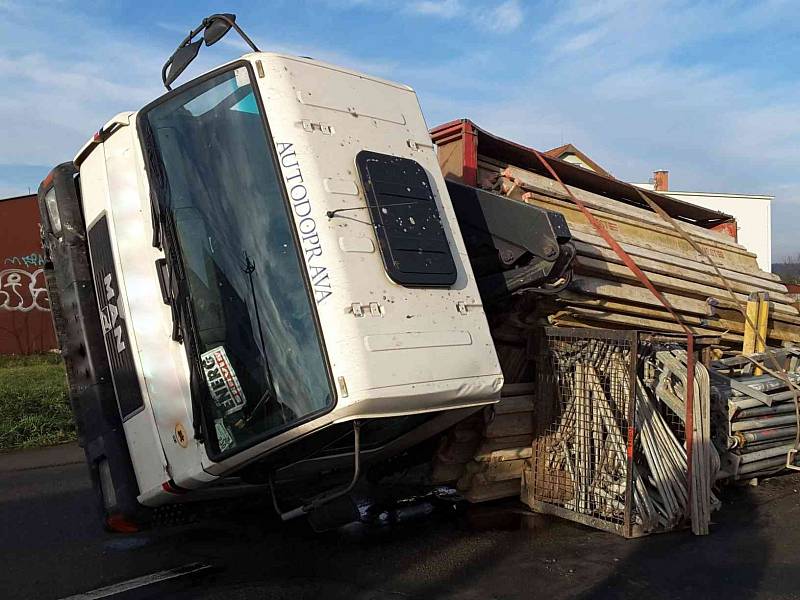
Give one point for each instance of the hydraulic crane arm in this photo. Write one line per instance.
(513, 247)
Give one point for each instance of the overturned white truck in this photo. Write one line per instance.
(259, 281)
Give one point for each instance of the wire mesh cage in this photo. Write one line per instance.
(582, 461)
(610, 449)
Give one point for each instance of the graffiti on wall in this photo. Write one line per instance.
(34, 259)
(26, 318)
(23, 291)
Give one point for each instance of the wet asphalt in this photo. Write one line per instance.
(52, 547)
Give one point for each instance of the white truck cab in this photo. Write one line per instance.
(275, 252)
(259, 278)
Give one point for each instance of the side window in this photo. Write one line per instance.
(406, 219)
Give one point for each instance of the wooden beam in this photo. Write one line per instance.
(641, 234)
(595, 245)
(615, 272)
(763, 320)
(663, 268)
(545, 185)
(750, 325)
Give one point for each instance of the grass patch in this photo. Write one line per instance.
(34, 402)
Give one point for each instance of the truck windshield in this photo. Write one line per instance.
(260, 351)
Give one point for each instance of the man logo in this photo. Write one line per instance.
(109, 315)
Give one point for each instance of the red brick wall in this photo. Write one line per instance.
(26, 326)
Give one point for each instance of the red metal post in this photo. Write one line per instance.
(470, 173)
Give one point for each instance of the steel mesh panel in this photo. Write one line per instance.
(582, 461)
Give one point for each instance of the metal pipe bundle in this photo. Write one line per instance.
(762, 420)
(670, 367)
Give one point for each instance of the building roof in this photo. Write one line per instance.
(566, 149)
(649, 186)
(22, 197)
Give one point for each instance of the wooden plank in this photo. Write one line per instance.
(568, 299)
(750, 267)
(673, 248)
(577, 315)
(483, 491)
(698, 276)
(492, 445)
(695, 262)
(725, 306)
(545, 185)
(751, 325)
(514, 404)
(613, 271)
(604, 288)
(586, 323)
(512, 424)
(634, 232)
(679, 273)
(505, 454)
(498, 470)
(777, 327)
(763, 322)
(518, 389)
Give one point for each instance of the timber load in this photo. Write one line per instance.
(604, 292)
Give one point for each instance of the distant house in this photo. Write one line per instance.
(571, 154)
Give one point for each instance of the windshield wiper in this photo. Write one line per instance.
(250, 268)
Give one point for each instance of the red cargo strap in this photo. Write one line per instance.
(629, 262)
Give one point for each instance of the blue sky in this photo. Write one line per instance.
(708, 90)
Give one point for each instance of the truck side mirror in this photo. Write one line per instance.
(181, 59)
(217, 27)
(213, 29)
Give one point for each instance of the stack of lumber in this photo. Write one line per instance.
(605, 293)
(484, 455)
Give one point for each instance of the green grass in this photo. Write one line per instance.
(34, 402)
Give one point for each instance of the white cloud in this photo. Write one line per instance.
(670, 84)
(446, 9)
(54, 101)
(491, 16)
(507, 16)
(56, 96)
(487, 16)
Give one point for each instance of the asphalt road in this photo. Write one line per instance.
(52, 547)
